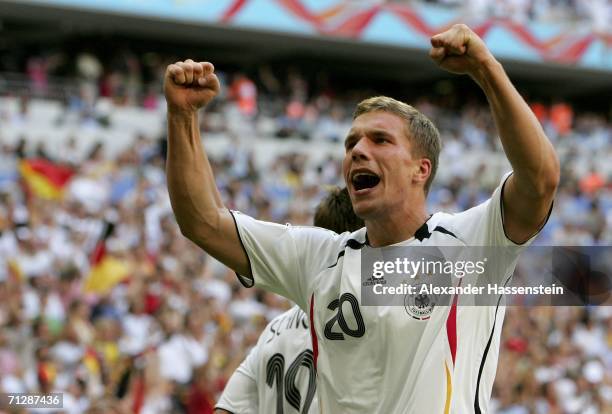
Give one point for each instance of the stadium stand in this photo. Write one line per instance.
(167, 331)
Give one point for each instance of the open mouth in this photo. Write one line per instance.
(362, 181)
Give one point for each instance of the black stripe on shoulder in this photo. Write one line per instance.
(354, 244)
(443, 230)
(422, 233)
(247, 282)
(337, 259)
(350, 243)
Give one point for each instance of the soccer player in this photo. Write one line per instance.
(278, 374)
(378, 359)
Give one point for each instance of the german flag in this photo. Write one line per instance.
(14, 270)
(44, 178)
(106, 271)
(91, 361)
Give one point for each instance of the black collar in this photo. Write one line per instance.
(421, 234)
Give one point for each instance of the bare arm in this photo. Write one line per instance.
(529, 192)
(195, 199)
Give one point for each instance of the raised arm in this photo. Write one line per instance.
(529, 192)
(196, 202)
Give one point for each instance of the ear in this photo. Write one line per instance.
(422, 171)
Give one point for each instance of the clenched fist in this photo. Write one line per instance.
(190, 85)
(459, 50)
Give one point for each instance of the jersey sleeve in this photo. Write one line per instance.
(483, 225)
(240, 394)
(285, 259)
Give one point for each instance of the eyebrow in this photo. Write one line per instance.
(373, 132)
(381, 133)
(351, 136)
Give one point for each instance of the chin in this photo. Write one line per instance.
(365, 210)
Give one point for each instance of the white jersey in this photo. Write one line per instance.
(380, 359)
(278, 375)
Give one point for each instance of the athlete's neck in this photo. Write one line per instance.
(395, 228)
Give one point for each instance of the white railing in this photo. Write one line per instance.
(19, 84)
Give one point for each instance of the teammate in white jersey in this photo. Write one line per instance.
(378, 359)
(278, 375)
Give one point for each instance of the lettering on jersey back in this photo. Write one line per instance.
(296, 320)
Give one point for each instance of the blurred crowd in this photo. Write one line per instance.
(166, 337)
(596, 13)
